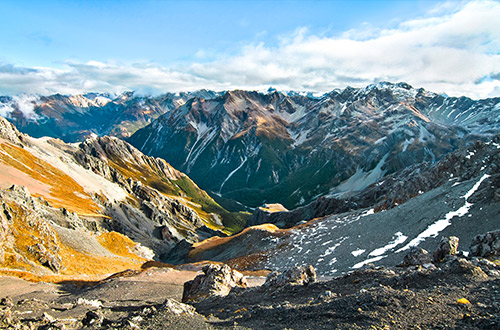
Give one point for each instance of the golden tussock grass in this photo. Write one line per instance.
(213, 242)
(27, 229)
(64, 191)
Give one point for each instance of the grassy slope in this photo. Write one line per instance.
(64, 191)
(28, 230)
(184, 188)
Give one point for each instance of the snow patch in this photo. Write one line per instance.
(367, 261)
(231, 174)
(471, 153)
(399, 239)
(434, 229)
(358, 252)
(407, 143)
(366, 213)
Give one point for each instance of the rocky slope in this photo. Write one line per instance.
(453, 292)
(458, 195)
(267, 148)
(63, 200)
(74, 117)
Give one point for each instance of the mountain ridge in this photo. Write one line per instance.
(260, 147)
(63, 196)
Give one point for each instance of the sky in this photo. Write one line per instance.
(153, 47)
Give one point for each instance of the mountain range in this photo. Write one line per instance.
(291, 149)
(351, 177)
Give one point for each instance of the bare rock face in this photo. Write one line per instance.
(486, 245)
(45, 256)
(218, 280)
(447, 246)
(417, 256)
(295, 276)
(9, 132)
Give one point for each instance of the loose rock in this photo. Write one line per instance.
(295, 276)
(447, 246)
(218, 280)
(417, 256)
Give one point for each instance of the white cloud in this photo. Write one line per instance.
(455, 49)
(24, 103)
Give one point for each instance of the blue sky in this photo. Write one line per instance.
(159, 46)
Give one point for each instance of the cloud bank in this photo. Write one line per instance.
(455, 50)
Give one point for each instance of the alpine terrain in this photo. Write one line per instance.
(96, 206)
(372, 208)
(291, 149)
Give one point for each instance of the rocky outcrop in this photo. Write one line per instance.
(268, 213)
(46, 257)
(9, 132)
(448, 246)
(217, 280)
(486, 245)
(465, 267)
(417, 256)
(300, 275)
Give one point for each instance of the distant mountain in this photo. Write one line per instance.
(82, 209)
(74, 117)
(271, 147)
(458, 195)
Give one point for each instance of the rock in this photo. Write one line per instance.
(93, 319)
(218, 280)
(465, 267)
(6, 301)
(447, 246)
(299, 275)
(486, 245)
(177, 308)
(417, 256)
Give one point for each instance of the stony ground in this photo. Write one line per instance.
(368, 299)
(458, 295)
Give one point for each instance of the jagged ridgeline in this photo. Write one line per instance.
(95, 207)
(289, 148)
(272, 147)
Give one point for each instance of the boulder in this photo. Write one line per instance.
(93, 319)
(417, 256)
(217, 280)
(486, 245)
(299, 275)
(174, 307)
(464, 267)
(447, 246)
